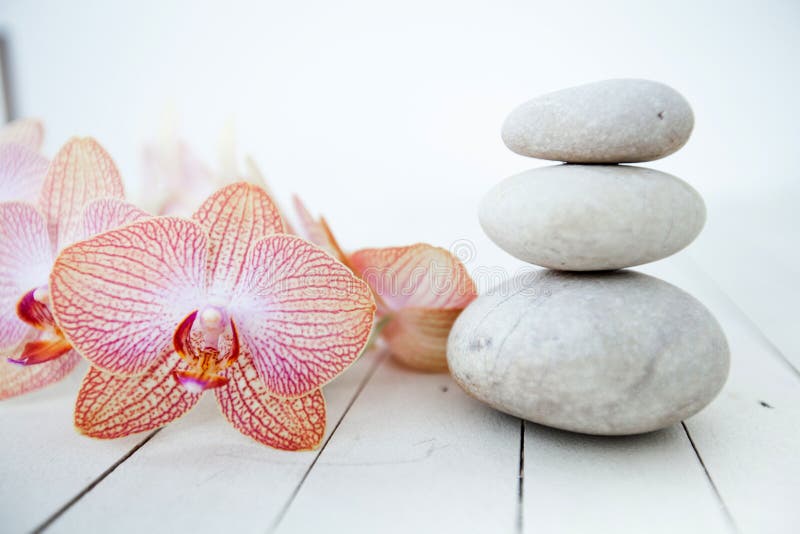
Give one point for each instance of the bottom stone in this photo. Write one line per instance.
(600, 353)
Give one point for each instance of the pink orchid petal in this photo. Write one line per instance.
(119, 296)
(82, 171)
(235, 218)
(17, 379)
(112, 406)
(25, 261)
(303, 315)
(417, 337)
(317, 231)
(22, 172)
(417, 276)
(289, 424)
(108, 213)
(28, 132)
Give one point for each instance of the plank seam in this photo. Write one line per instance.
(723, 507)
(58, 513)
(285, 509)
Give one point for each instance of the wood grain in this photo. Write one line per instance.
(415, 454)
(45, 463)
(200, 475)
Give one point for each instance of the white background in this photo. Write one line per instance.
(386, 116)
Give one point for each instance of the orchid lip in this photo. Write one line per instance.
(34, 308)
(197, 382)
(42, 351)
(42, 295)
(204, 351)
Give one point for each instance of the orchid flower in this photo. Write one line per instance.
(420, 291)
(80, 196)
(423, 289)
(168, 308)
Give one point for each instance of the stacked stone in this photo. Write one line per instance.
(587, 347)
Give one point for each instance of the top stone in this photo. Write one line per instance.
(612, 121)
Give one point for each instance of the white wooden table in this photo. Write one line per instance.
(409, 452)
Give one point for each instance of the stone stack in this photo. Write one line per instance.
(587, 347)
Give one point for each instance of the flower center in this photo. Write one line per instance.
(34, 309)
(208, 341)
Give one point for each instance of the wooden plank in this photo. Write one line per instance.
(749, 437)
(45, 462)
(415, 454)
(648, 483)
(380, 473)
(200, 475)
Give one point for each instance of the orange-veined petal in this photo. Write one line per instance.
(417, 276)
(25, 261)
(289, 424)
(22, 172)
(302, 314)
(235, 218)
(28, 132)
(18, 379)
(112, 406)
(80, 172)
(417, 337)
(108, 213)
(119, 296)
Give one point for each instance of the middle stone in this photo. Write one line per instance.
(592, 217)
